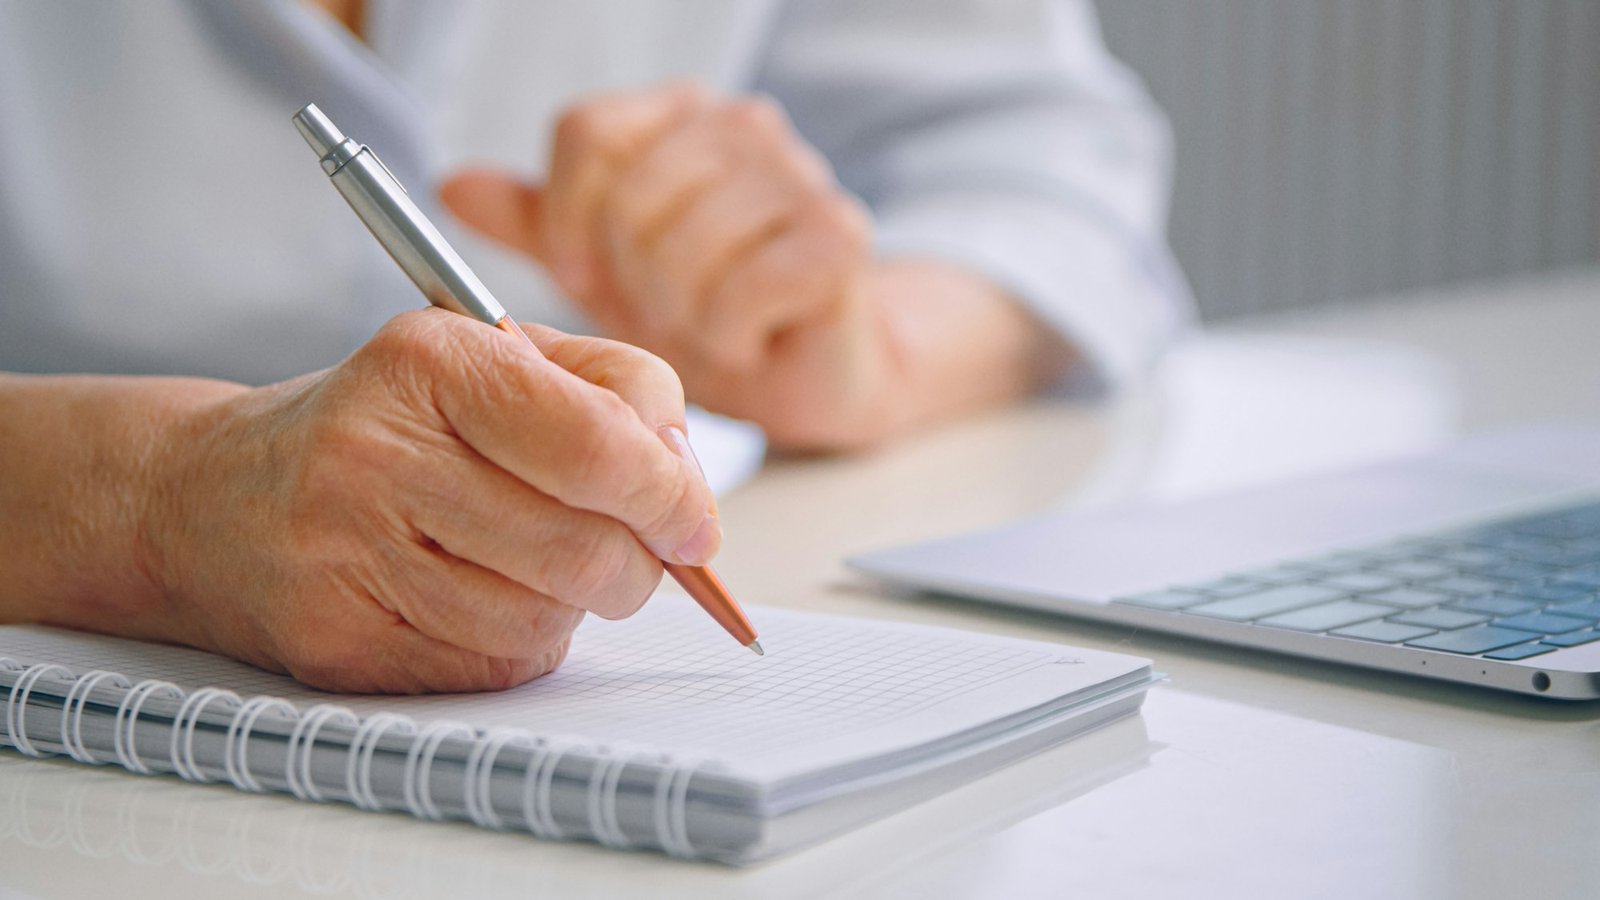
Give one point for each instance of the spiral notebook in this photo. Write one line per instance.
(657, 732)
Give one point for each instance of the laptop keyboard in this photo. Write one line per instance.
(1508, 590)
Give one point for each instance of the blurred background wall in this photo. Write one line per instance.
(1329, 149)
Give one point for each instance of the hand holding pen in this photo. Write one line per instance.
(435, 513)
(433, 265)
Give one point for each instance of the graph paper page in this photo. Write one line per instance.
(829, 689)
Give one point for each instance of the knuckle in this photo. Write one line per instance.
(498, 673)
(413, 347)
(580, 125)
(843, 219)
(691, 92)
(811, 168)
(760, 116)
(408, 336)
(600, 125)
(628, 364)
(549, 661)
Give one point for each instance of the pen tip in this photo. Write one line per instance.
(755, 647)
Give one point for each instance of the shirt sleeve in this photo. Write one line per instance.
(1000, 135)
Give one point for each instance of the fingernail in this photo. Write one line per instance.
(698, 550)
(710, 531)
(674, 437)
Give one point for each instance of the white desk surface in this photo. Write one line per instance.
(1247, 776)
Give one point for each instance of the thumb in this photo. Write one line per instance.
(500, 205)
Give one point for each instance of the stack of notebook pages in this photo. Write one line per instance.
(657, 733)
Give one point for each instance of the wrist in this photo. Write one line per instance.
(186, 426)
(959, 342)
(89, 459)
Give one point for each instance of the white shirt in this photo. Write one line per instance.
(159, 213)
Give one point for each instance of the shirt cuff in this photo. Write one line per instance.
(1116, 298)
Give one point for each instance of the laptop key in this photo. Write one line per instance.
(1337, 563)
(1361, 582)
(1175, 599)
(1586, 609)
(1414, 546)
(1283, 573)
(1327, 616)
(1578, 578)
(1554, 593)
(1467, 555)
(1419, 568)
(1496, 605)
(1466, 585)
(1409, 598)
(1382, 632)
(1480, 639)
(1231, 586)
(1520, 651)
(1439, 619)
(1572, 638)
(1516, 573)
(1549, 555)
(1266, 603)
(1544, 623)
(1583, 548)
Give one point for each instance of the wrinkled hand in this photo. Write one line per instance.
(434, 514)
(707, 231)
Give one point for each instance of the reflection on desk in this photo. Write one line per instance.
(72, 828)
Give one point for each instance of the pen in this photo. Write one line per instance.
(444, 278)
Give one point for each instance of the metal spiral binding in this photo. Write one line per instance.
(7, 664)
(608, 764)
(536, 811)
(419, 764)
(122, 738)
(671, 809)
(236, 752)
(183, 727)
(72, 712)
(17, 705)
(297, 766)
(479, 793)
(358, 764)
(602, 796)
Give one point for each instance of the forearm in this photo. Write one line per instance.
(81, 490)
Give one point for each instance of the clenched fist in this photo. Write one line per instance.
(706, 230)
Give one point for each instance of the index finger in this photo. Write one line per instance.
(643, 380)
(576, 441)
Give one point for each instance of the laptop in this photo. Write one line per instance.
(1477, 563)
